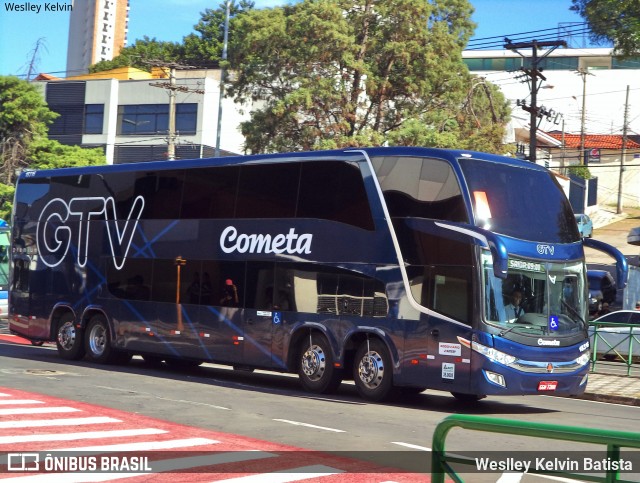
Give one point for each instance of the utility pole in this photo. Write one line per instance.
(172, 87)
(171, 148)
(584, 73)
(222, 77)
(536, 78)
(624, 151)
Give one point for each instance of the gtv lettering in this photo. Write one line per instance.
(54, 232)
(290, 243)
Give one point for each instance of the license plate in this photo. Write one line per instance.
(547, 385)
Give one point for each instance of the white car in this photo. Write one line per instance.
(615, 338)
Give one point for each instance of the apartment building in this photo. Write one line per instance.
(97, 31)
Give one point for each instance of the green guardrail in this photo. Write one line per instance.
(613, 350)
(441, 461)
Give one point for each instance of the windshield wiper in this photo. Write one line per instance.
(573, 311)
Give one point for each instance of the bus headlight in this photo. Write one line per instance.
(584, 359)
(493, 354)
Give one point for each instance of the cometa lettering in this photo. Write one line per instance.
(291, 243)
(549, 342)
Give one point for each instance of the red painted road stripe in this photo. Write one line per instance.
(176, 453)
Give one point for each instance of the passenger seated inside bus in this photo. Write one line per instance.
(229, 296)
(514, 308)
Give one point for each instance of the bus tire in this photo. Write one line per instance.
(98, 341)
(372, 371)
(69, 339)
(316, 370)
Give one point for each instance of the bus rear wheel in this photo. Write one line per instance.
(315, 365)
(372, 370)
(98, 341)
(69, 339)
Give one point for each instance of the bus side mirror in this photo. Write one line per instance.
(622, 267)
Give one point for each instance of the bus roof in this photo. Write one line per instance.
(449, 154)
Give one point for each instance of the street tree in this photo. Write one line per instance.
(24, 120)
(201, 48)
(24, 116)
(616, 21)
(140, 53)
(336, 73)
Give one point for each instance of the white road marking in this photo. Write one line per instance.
(20, 401)
(293, 474)
(38, 423)
(116, 433)
(145, 445)
(307, 425)
(59, 409)
(412, 446)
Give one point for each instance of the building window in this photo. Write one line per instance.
(154, 119)
(93, 118)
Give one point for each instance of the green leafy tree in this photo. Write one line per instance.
(617, 21)
(140, 53)
(204, 46)
(201, 48)
(24, 116)
(335, 73)
(24, 120)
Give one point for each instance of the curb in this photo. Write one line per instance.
(610, 398)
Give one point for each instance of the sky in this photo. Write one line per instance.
(171, 20)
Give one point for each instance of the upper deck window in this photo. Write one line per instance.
(420, 187)
(524, 203)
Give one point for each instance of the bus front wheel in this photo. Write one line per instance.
(372, 370)
(315, 365)
(69, 339)
(98, 341)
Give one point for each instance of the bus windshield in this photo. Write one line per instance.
(537, 298)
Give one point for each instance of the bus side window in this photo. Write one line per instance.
(21, 275)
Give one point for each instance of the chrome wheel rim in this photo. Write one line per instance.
(314, 362)
(97, 339)
(67, 335)
(371, 369)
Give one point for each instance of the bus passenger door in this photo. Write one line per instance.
(450, 295)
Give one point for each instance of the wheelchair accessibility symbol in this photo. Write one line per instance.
(554, 322)
(277, 317)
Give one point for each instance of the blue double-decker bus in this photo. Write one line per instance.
(394, 267)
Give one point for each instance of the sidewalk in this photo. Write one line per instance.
(604, 216)
(613, 389)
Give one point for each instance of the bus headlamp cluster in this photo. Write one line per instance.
(584, 359)
(493, 354)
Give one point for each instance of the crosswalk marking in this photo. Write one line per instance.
(14, 411)
(116, 433)
(295, 474)
(145, 445)
(20, 401)
(39, 423)
(169, 451)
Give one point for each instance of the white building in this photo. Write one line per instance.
(592, 78)
(129, 118)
